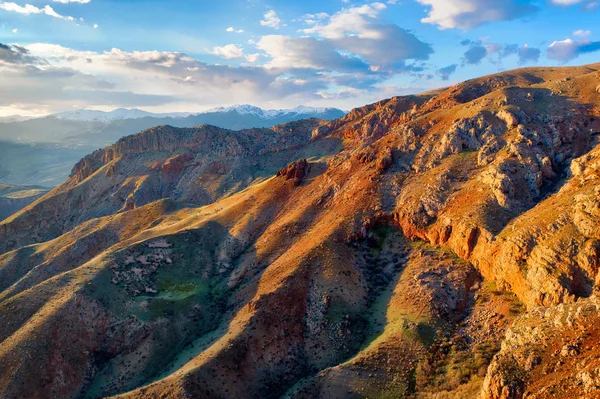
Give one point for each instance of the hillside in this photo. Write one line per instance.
(42, 151)
(441, 245)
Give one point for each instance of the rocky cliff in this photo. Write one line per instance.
(438, 245)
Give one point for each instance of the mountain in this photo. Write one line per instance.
(51, 145)
(245, 109)
(306, 112)
(14, 118)
(440, 245)
(117, 114)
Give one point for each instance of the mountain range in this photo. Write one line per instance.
(41, 151)
(438, 245)
(300, 111)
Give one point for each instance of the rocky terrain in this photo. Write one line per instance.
(441, 245)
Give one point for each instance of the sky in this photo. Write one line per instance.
(191, 55)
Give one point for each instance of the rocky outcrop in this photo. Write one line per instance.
(296, 171)
(372, 121)
(176, 163)
(548, 353)
(384, 160)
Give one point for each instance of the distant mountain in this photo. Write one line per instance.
(246, 109)
(117, 114)
(243, 109)
(42, 150)
(15, 118)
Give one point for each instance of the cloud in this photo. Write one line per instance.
(569, 49)
(474, 54)
(228, 51)
(359, 31)
(582, 33)
(306, 52)
(528, 54)
(252, 57)
(14, 54)
(478, 51)
(445, 72)
(312, 19)
(354, 20)
(28, 9)
(56, 78)
(566, 2)
(232, 29)
(271, 20)
(586, 4)
(467, 14)
(15, 30)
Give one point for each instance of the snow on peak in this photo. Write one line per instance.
(133, 113)
(245, 109)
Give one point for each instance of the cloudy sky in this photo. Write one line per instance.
(190, 55)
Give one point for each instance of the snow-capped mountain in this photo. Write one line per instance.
(247, 109)
(117, 114)
(244, 109)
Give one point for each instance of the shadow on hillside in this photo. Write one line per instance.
(182, 299)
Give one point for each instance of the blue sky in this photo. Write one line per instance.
(186, 55)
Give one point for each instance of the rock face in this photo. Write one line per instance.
(559, 342)
(295, 171)
(439, 245)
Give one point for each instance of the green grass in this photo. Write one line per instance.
(180, 289)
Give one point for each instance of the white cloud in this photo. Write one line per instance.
(359, 31)
(15, 30)
(232, 29)
(28, 9)
(467, 14)
(569, 49)
(306, 52)
(355, 20)
(586, 4)
(56, 78)
(562, 50)
(228, 51)
(252, 57)
(566, 2)
(582, 33)
(95, 26)
(271, 20)
(312, 19)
